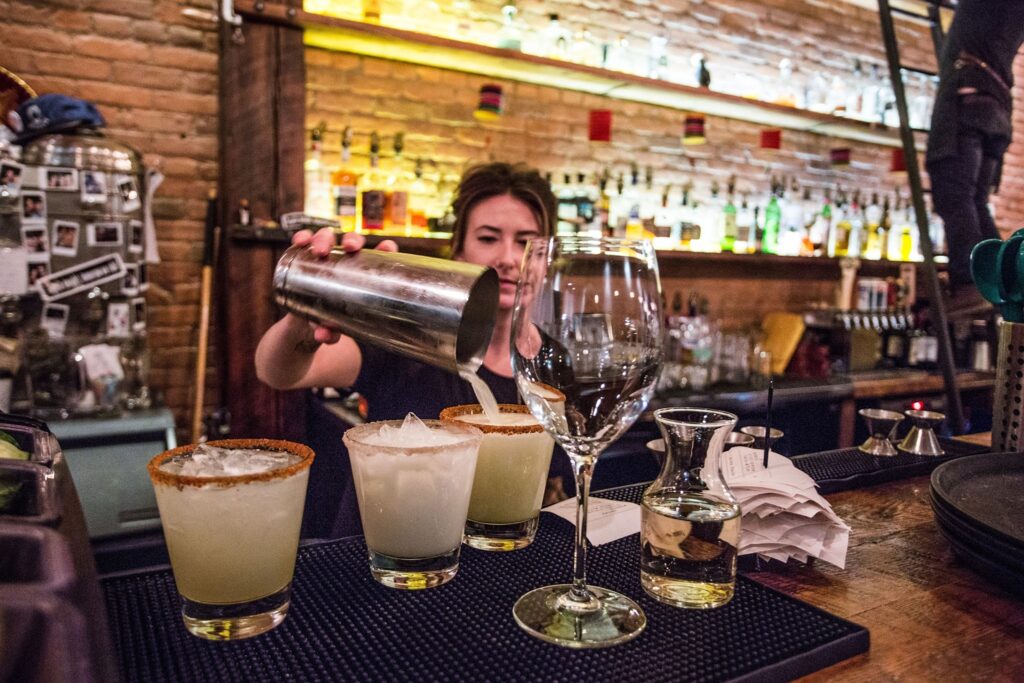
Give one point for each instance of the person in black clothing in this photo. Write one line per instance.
(970, 131)
(498, 208)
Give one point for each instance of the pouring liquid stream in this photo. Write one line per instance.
(483, 394)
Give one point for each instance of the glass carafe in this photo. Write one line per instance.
(690, 529)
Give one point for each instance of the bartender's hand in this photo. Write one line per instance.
(321, 243)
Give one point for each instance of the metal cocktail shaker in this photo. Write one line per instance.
(434, 310)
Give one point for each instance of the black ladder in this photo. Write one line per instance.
(932, 15)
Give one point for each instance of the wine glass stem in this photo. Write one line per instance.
(583, 468)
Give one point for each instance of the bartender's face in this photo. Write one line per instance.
(497, 231)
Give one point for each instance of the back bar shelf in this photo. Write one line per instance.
(384, 42)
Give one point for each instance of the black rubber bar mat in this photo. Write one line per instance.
(848, 468)
(343, 626)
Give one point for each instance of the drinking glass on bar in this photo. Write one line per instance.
(231, 512)
(413, 482)
(586, 328)
(511, 471)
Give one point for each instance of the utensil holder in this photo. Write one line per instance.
(1008, 406)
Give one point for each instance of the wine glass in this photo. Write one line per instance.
(586, 351)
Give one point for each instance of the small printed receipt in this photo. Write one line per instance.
(607, 520)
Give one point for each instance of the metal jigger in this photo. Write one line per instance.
(881, 424)
(758, 432)
(921, 439)
(735, 439)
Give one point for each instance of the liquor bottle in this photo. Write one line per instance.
(664, 223)
(808, 217)
(648, 203)
(785, 93)
(689, 226)
(584, 49)
(874, 232)
(908, 243)
(510, 36)
(318, 187)
(839, 240)
(373, 190)
(855, 214)
(822, 226)
(604, 204)
(617, 56)
(657, 59)
(586, 206)
(371, 11)
(885, 227)
(419, 202)
(703, 74)
(555, 39)
(630, 202)
(568, 211)
(870, 97)
(460, 25)
(772, 223)
(344, 186)
(855, 90)
(617, 209)
(396, 206)
(835, 102)
(730, 227)
(746, 228)
(710, 217)
(792, 228)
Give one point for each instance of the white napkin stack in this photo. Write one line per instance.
(784, 516)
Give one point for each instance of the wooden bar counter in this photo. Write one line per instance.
(931, 617)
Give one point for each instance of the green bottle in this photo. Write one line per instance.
(772, 219)
(729, 228)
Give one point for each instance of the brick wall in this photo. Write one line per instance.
(547, 127)
(153, 74)
(1009, 202)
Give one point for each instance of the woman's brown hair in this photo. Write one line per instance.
(498, 178)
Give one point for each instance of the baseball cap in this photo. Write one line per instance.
(51, 114)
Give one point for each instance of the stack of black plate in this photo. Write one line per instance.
(976, 502)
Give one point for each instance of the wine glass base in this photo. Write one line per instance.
(613, 619)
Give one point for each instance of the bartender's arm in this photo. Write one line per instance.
(294, 353)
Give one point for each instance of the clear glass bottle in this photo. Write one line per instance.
(690, 521)
(373, 189)
(657, 58)
(344, 186)
(785, 94)
(556, 39)
(396, 213)
(318, 186)
(510, 35)
(584, 49)
(617, 55)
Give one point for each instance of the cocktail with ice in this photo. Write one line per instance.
(413, 482)
(511, 471)
(231, 513)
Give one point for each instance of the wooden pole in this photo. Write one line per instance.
(205, 294)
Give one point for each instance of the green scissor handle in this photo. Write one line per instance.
(986, 269)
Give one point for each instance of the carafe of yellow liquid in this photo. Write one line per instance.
(690, 521)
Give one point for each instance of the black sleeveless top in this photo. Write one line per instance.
(394, 386)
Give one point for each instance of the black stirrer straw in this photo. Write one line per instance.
(768, 421)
